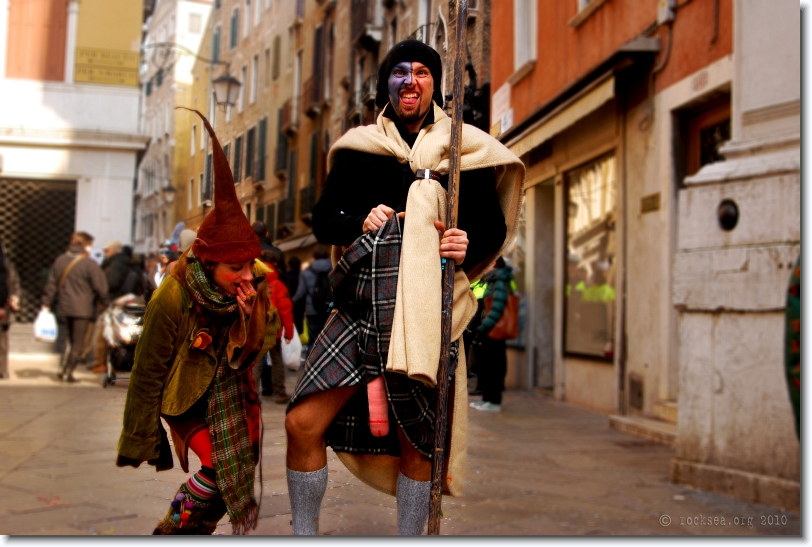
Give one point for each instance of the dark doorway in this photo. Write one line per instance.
(37, 218)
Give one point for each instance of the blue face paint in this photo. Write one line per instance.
(400, 77)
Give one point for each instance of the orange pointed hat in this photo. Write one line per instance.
(225, 235)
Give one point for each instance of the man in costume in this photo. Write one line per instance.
(204, 328)
(387, 313)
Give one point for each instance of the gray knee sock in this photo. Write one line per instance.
(306, 489)
(413, 505)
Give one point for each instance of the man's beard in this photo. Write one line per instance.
(416, 115)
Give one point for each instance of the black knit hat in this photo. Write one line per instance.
(411, 51)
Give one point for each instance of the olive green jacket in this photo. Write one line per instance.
(170, 374)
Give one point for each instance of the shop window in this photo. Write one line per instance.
(590, 288)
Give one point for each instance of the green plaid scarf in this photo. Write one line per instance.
(232, 455)
(204, 293)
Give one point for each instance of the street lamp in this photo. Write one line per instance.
(226, 89)
(168, 193)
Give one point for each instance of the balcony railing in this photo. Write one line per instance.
(366, 26)
(307, 199)
(290, 124)
(281, 163)
(287, 210)
(368, 91)
(311, 96)
(423, 33)
(355, 107)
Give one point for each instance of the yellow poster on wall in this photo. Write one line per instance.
(103, 66)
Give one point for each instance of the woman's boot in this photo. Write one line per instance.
(189, 516)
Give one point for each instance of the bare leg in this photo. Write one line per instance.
(306, 423)
(413, 464)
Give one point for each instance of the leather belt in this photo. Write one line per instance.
(427, 174)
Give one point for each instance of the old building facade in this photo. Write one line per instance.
(174, 33)
(69, 125)
(621, 111)
(308, 70)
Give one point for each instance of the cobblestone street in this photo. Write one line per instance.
(538, 468)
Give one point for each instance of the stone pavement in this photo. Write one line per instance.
(540, 467)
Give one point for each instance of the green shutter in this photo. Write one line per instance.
(235, 27)
(238, 159)
(262, 152)
(277, 46)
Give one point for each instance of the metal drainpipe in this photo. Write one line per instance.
(622, 323)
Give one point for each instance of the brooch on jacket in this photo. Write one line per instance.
(202, 340)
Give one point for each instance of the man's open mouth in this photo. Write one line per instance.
(409, 98)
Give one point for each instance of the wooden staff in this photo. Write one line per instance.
(443, 377)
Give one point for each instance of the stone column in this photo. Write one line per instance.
(70, 46)
(4, 8)
(735, 429)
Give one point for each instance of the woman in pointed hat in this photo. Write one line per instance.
(204, 329)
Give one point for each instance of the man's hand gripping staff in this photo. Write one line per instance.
(453, 246)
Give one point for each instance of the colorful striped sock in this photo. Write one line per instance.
(201, 487)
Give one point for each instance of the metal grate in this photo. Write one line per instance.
(32, 242)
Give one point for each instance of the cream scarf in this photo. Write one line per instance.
(415, 344)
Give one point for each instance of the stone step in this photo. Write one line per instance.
(21, 339)
(666, 411)
(658, 431)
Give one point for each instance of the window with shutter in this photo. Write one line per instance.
(235, 28)
(250, 141)
(262, 139)
(277, 45)
(237, 165)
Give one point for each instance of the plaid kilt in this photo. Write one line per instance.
(352, 348)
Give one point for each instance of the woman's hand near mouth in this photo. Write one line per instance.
(245, 296)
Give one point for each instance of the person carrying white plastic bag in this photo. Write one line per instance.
(45, 329)
(292, 352)
(78, 287)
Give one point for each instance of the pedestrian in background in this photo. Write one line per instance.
(159, 271)
(314, 289)
(490, 354)
(271, 373)
(12, 304)
(78, 286)
(294, 271)
(120, 281)
(134, 284)
(267, 246)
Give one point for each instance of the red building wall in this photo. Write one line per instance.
(36, 39)
(567, 53)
